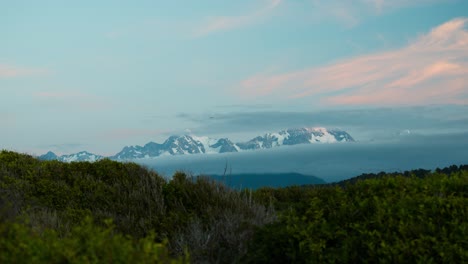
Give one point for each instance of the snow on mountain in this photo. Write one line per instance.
(296, 136)
(224, 145)
(190, 144)
(80, 156)
(49, 156)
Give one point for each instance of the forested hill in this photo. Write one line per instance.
(107, 211)
(420, 173)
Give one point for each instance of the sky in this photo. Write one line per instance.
(99, 75)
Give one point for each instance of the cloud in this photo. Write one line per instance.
(432, 69)
(224, 23)
(351, 12)
(384, 5)
(363, 124)
(11, 71)
(153, 28)
(329, 161)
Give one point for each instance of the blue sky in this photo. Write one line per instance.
(99, 75)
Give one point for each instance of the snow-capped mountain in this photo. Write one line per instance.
(80, 156)
(177, 145)
(49, 156)
(296, 136)
(190, 144)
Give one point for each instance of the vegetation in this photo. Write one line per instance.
(210, 221)
(387, 219)
(86, 243)
(54, 212)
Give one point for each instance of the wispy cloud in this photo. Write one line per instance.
(350, 13)
(223, 23)
(384, 5)
(11, 71)
(156, 27)
(431, 69)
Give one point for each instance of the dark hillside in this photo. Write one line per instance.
(54, 212)
(389, 218)
(201, 216)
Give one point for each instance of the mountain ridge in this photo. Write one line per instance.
(191, 144)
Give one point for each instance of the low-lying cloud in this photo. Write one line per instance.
(362, 124)
(331, 162)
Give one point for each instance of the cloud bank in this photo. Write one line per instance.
(331, 162)
(433, 69)
(363, 124)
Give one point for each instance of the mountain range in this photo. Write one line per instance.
(190, 144)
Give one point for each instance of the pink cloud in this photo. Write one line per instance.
(431, 69)
(223, 23)
(10, 71)
(60, 95)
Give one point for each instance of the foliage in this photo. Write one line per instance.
(86, 243)
(209, 220)
(108, 211)
(391, 219)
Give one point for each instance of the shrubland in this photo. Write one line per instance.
(107, 211)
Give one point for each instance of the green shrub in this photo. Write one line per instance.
(46, 207)
(209, 220)
(86, 243)
(392, 219)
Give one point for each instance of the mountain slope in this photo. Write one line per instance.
(80, 156)
(190, 144)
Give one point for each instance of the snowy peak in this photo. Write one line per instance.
(179, 145)
(80, 156)
(224, 145)
(190, 144)
(308, 135)
(296, 136)
(48, 156)
(341, 136)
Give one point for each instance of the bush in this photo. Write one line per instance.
(206, 218)
(46, 209)
(390, 219)
(86, 243)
